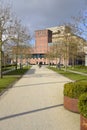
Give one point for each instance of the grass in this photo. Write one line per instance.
(9, 78)
(82, 69)
(69, 75)
(19, 71)
(6, 81)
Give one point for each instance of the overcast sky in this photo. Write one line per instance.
(40, 14)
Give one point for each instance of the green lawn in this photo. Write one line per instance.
(70, 75)
(11, 77)
(19, 71)
(6, 81)
(82, 69)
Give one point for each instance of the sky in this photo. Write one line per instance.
(41, 14)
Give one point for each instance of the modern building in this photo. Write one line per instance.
(42, 39)
(59, 32)
(58, 36)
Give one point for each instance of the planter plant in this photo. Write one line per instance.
(72, 91)
(82, 104)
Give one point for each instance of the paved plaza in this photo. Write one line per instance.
(35, 102)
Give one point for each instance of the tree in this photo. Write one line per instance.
(20, 36)
(66, 47)
(49, 55)
(23, 51)
(11, 29)
(73, 46)
(79, 27)
(5, 25)
(57, 52)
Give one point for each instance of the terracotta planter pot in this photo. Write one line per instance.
(83, 123)
(71, 104)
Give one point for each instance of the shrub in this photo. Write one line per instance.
(75, 89)
(82, 104)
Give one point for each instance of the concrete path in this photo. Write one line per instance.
(36, 103)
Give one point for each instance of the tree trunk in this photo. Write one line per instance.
(1, 64)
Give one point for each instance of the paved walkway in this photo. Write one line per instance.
(36, 103)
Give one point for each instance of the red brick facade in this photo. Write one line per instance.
(42, 38)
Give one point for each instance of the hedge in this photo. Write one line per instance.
(82, 104)
(75, 89)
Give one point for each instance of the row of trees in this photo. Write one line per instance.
(68, 48)
(12, 32)
(73, 44)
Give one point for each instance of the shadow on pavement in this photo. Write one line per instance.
(29, 112)
(39, 84)
(31, 71)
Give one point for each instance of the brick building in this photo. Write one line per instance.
(46, 39)
(42, 38)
